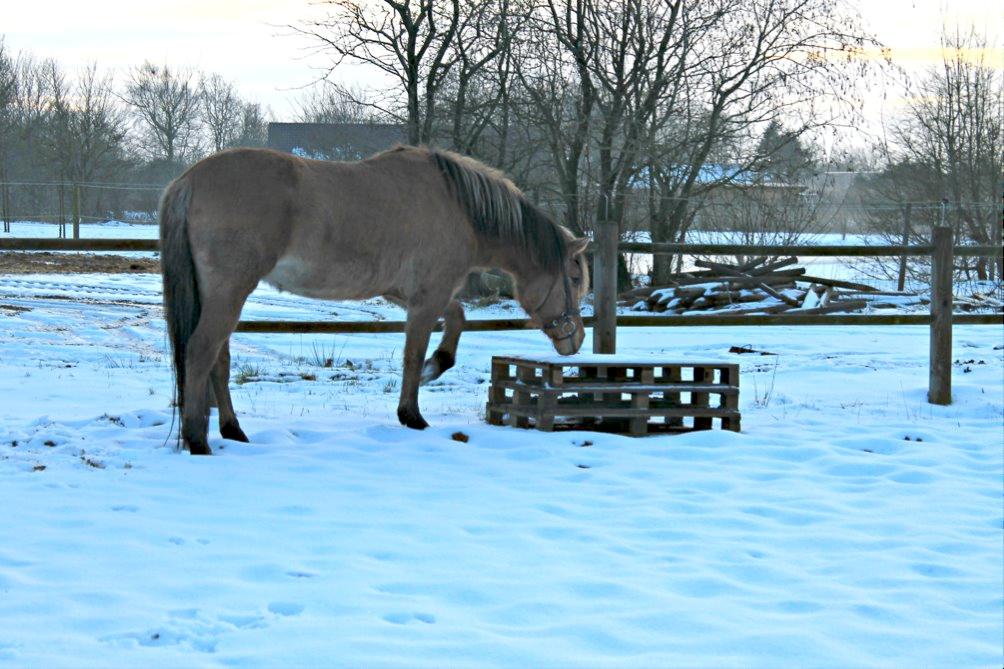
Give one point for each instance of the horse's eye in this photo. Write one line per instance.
(576, 281)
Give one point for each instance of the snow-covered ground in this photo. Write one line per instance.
(104, 230)
(849, 524)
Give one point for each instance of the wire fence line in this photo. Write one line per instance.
(550, 197)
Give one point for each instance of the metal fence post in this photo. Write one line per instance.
(901, 282)
(940, 380)
(76, 211)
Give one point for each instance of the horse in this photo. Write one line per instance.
(408, 224)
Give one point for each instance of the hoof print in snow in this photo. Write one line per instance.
(405, 618)
(285, 608)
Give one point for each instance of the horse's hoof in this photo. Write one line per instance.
(439, 362)
(199, 449)
(233, 432)
(411, 418)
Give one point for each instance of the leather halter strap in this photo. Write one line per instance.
(564, 325)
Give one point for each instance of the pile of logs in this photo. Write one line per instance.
(978, 301)
(759, 286)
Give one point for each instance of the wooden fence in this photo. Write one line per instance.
(606, 321)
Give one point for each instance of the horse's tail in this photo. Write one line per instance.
(181, 291)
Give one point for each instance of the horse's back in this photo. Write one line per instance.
(322, 228)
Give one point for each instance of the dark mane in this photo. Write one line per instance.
(499, 211)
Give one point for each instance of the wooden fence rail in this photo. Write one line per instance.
(940, 318)
(504, 324)
(55, 244)
(828, 251)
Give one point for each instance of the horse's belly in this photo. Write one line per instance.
(337, 281)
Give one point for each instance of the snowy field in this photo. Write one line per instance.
(850, 524)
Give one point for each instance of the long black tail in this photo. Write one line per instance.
(181, 291)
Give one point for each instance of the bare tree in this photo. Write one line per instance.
(221, 111)
(751, 63)
(627, 57)
(253, 125)
(407, 40)
(166, 105)
(331, 103)
(28, 113)
(955, 128)
(554, 103)
(8, 86)
(479, 81)
(95, 125)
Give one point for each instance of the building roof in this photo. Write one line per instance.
(334, 141)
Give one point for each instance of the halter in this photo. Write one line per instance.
(563, 325)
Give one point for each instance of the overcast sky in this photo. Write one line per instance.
(244, 39)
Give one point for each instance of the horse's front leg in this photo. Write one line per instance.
(445, 355)
(421, 320)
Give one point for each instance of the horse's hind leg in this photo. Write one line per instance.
(445, 355)
(218, 319)
(229, 427)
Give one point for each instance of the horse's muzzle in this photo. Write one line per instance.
(566, 333)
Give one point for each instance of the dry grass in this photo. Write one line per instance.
(47, 262)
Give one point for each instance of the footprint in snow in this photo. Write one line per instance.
(286, 608)
(402, 618)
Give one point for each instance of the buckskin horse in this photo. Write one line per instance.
(407, 224)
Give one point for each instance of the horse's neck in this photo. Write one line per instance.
(509, 259)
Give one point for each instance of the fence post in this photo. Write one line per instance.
(5, 200)
(62, 210)
(939, 389)
(901, 282)
(76, 211)
(605, 291)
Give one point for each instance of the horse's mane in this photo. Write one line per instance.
(500, 211)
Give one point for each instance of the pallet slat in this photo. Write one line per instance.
(618, 387)
(627, 412)
(628, 396)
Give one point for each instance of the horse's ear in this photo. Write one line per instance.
(577, 246)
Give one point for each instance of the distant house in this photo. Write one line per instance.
(727, 197)
(334, 141)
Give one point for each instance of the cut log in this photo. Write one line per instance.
(834, 307)
(836, 283)
(725, 269)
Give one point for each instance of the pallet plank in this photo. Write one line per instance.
(635, 397)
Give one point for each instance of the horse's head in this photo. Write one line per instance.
(552, 299)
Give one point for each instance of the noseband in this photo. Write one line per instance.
(562, 327)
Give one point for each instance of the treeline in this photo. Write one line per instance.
(607, 111)
(75, 142)
(942, 158)
(666, 114)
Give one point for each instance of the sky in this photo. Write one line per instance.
(249, 42)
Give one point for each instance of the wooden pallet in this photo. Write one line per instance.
(613, 394)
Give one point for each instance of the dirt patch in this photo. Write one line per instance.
(47, 262)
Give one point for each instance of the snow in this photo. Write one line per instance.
(850, 523)
(103, 230)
